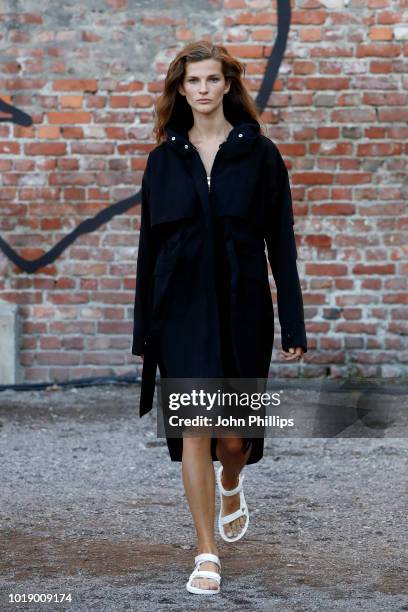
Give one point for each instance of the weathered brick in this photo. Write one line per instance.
(71, 101)
(75, 85)
(66, 118)
(46, 148)
(338, 113)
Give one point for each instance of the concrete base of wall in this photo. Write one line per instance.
(8, 344)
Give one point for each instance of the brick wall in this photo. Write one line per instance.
(88, 74)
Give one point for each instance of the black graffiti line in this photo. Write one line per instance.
(85, 227)
(276, 56)
(16, 115)
(19, 117)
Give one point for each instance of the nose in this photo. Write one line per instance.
(203, 87)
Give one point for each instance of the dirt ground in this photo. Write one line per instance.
(92, 506)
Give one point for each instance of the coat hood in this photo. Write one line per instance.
(239, 140)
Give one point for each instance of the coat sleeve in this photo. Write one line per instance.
(282, 253)
(144, 271)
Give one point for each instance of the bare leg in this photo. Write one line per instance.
(199, 485)
(229, 453)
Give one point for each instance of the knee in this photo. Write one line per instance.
(196, 442)
(233, 446)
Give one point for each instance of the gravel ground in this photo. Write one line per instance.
(91, 505)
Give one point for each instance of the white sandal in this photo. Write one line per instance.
(197, 573)
(242, 510)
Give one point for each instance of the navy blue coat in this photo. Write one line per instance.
(189, 233)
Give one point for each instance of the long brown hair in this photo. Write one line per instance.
(172, 109)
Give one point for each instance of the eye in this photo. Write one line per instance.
(191, 79)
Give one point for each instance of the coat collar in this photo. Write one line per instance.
(239, 140)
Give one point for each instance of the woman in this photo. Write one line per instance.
(214, 191)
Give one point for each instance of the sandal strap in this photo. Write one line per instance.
(229, 492)
(234, 515)
(206, 574)
(207, 557)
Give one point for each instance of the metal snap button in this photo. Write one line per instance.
(240, 135)
(186, 146)
(173, 138)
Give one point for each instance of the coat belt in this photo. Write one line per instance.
(148, 378)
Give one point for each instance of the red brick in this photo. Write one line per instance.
(69, 118)
(26, 83)
(46, 148)
(393, 114)
(311, 178)
(380, 149)
(255, 18)
(395, 298)
(88, 36)
(319, 241)
(58, 358)
(9, 148)
(45, 131)
(141, 101)
(245, 50)
(378, 50)
(75, 85)
(119, 101)
(50, 342)
(72, 101)
(380, 33)
(114, 327)
(374, 269)
(310, 34)
(327, 269)
(330, 83)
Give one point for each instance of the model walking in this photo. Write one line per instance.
(215, 190)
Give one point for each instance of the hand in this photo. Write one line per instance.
(294, 354)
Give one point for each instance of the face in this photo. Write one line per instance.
(204, 80)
